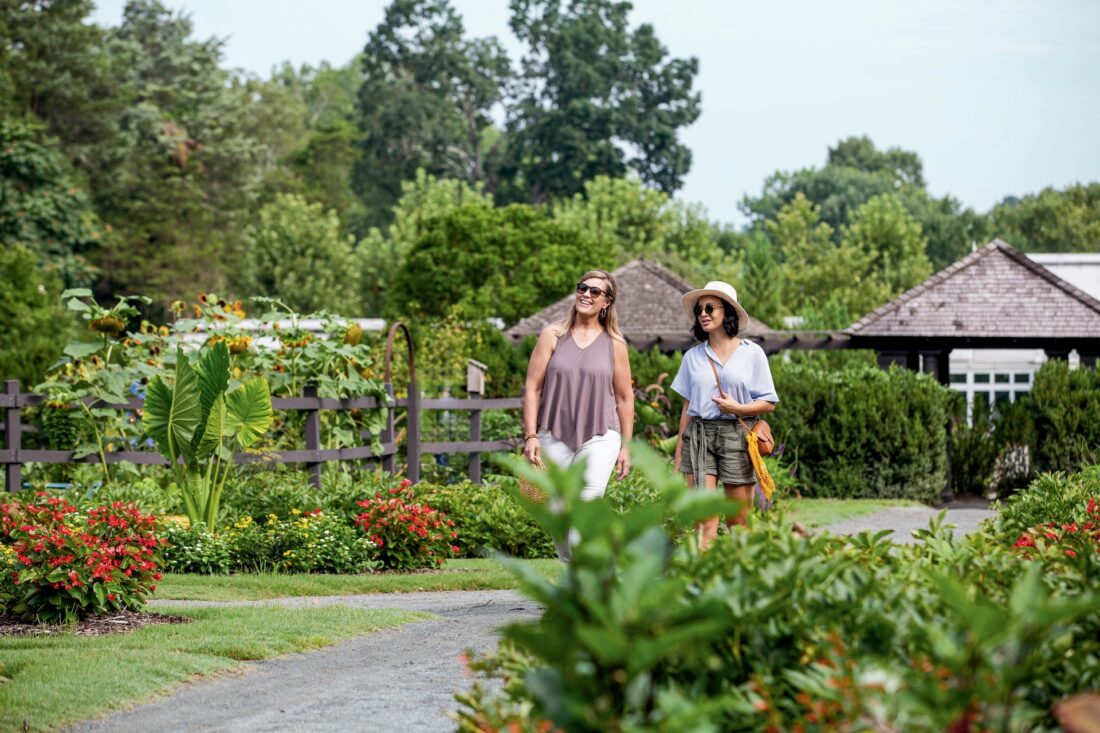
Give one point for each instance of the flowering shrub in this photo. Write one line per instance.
(196, 550)
(304, 542)
(406, 535)
(1070, 539)
(69, 564)
(1052, 497)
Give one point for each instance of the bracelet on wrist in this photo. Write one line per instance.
(528, 436)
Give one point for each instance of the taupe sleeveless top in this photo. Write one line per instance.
(578, 399)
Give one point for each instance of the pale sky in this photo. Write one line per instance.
(998, 97)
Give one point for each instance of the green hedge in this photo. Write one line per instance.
(1067, 417)
(862, 432)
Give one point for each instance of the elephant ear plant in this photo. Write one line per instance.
(200, 420)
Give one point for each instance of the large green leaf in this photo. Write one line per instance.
(155, 414)
(210, 437)
(212, 374)
(249, 411)
(82, 349)
(171, 415)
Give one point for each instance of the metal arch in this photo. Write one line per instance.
(412, 470)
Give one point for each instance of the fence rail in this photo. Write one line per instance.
(13, 455)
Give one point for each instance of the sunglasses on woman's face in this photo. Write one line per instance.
(596, 292)
(709, 309)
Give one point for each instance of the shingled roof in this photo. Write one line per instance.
(648, 305)
(994, 294)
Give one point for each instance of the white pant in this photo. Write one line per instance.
(599, 453)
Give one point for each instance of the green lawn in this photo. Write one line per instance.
(456, 575)
(51, 681)
(822, 512)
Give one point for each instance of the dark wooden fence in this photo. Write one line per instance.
(13, 455)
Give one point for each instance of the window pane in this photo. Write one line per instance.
(1000, 378)
(958, 379)
(1003, 397)
(981, 379)
(1022, 378)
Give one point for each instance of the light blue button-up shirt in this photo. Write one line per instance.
(745, 377)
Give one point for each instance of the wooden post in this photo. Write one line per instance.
(313, 437)
(475, 435)
(412, 431)
(475, 386)
(13, 436)
(389, 463)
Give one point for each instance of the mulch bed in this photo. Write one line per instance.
(118, 623)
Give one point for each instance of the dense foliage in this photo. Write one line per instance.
(35, 323)
(1066, 416)
(132, 149)
(771, 630)
(862, 431)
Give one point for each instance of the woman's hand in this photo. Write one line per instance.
(532, 451)
(729, 406)
(622, 463)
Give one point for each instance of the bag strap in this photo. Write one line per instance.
(718, 382)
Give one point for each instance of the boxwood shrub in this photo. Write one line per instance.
(863, 432)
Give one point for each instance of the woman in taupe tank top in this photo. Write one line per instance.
(578, 402)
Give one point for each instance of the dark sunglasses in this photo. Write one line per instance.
(709, 308)
(596, 292)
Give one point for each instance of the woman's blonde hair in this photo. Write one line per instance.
(609, 317)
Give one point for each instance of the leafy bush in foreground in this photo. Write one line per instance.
(770, 630)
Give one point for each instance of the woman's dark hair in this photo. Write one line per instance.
(730, 322)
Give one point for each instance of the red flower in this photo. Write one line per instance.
(1025, 541)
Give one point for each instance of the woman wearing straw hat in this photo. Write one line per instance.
(578, 403)
(722, 379)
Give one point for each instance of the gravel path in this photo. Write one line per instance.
(397, 680)
(903, 520)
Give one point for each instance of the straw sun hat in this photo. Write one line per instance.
(718, 289)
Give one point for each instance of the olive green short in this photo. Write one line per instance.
(727, 454)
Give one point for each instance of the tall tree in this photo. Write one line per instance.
(1051, 220)
(305, 121)
(178, 184)
(629, 220)
(300, 254)
(36, 325)
(594, 97)
(855, 173)
(480, 262)
(382, 253)
(425, 101)
(903, 166)
(892, 240)
(52, 67)
(41, 208)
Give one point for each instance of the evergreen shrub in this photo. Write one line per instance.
(863, 432)
(1067, 417)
